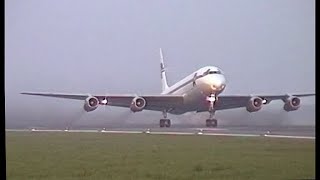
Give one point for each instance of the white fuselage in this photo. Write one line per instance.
(197, 87)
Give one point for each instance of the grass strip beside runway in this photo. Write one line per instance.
(63, 155)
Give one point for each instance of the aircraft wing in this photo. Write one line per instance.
(154, 102)
(238, 101)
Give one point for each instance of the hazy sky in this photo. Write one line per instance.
(263, 46)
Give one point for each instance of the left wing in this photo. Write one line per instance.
(238, 101)
(153, 102)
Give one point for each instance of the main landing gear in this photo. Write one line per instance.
(211, 122)
(165, 122)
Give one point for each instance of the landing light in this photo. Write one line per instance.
(264, 101)
(211, 98)
(200, 132)
(147, 131)
(104, 101)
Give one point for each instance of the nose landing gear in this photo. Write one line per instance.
(211, 122)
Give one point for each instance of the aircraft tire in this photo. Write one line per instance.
(162, 123)
(214, 123)
(211, 123)
(168, 123)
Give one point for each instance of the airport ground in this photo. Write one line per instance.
(87, 155)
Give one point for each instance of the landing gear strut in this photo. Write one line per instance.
(165, 122)
(211, 122)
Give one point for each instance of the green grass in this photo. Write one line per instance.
(41, 155)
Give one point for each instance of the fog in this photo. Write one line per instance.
(101, 47)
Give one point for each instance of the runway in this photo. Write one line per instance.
(268, 132)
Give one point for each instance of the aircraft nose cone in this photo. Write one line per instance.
(219, 84)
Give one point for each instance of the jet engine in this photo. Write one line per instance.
(254, 104)
(137, 104)
(292, 103)
(91, 103)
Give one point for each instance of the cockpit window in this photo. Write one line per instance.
(215, 72)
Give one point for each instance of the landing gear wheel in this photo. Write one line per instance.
(168, 123)
(165, 123)
(211, 123)
(162, 123)
(208, 123)
(214, 123)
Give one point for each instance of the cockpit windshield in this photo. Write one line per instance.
(215, 72)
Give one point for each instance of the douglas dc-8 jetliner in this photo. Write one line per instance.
(198, 92)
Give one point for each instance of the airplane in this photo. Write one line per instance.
(201, 91)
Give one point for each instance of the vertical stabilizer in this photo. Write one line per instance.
(163, 73)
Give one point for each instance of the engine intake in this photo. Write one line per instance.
(91, 103)
(137, 104)
(292, 103)
(254, 104)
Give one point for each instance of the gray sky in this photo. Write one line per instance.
(263, 46)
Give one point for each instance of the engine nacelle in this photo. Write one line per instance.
(137, 104)
(254, 104)
(91, 103)
(292, 103)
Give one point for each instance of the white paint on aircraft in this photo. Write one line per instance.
(200, 91)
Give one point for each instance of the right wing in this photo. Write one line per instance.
(238, 101)
(154, 102)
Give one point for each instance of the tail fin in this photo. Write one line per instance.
(163, 73)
